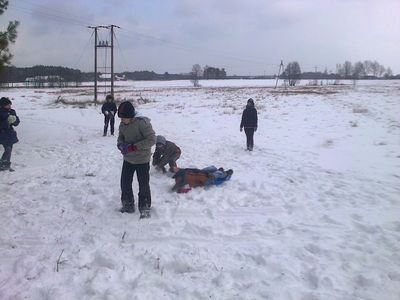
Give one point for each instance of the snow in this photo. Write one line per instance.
(312, 213)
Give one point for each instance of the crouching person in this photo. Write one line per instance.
(8, 136)
(166, 153)
(135, 139)
(186, 179)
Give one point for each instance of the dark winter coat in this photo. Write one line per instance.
(165, 154)
(109, 107)
(8, 136)
(249, 117)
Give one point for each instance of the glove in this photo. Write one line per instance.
(106, 113)
(11, 119)
(126, 148)
(241, 129)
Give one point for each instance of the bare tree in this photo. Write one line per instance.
(196, 75)
(358, 70)
(368, 67)
(375, 68)
(347, 69)
(293, 72)
(388, 73)
(381, 70)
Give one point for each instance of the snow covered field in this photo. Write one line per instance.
(312, 213)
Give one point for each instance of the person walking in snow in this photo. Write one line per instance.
(135, 139)
(249, 123)
(8, 136)
(109, 109)
(166, 153)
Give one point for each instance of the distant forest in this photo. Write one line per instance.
(11, 74)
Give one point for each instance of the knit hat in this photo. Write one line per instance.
(109, 97)
(4, 101)
(126, 110)
(161, 140)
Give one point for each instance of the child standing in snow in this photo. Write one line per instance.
(249, 123)
(166, 153)
(109, 109)
(135, 139)
(8, 136)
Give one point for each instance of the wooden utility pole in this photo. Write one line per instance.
(112, 57)
(279, 73)
(103, 45)
(95, 62)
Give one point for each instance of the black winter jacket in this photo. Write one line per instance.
(109, 107)
(249, 117)
(8, 136)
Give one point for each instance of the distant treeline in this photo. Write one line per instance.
(49, 73)
(14, 74)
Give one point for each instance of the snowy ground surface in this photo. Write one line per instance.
(312, 213)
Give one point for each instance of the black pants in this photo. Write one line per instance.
(111, 120)
(143, 177)
(249, 138)
(7, 153)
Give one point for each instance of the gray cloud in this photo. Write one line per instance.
(242, 36)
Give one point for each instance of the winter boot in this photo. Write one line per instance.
(145, 212)
(4, 165)
(128, 207)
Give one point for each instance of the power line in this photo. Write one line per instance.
(84, 49)
(50, 16)
(61, 16)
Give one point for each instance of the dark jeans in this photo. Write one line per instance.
(111, 120)
(249, 138)
(7, 153)
(143, 177)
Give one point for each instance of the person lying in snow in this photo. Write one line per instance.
(166, 153)
(188, 178)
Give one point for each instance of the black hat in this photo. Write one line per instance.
(250, 102)
(109, 97)
(4, 101)
(126, 110)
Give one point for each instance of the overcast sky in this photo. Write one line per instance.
(243, 36)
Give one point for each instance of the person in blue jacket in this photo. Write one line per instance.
(249, 123)
(8, 136)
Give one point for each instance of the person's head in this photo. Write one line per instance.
(109, 98)
(250, 102)
(126, 112)
(160, 141)
(5, 103)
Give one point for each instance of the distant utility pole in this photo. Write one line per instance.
(315, 80)
(103, 45)
(279, 73)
